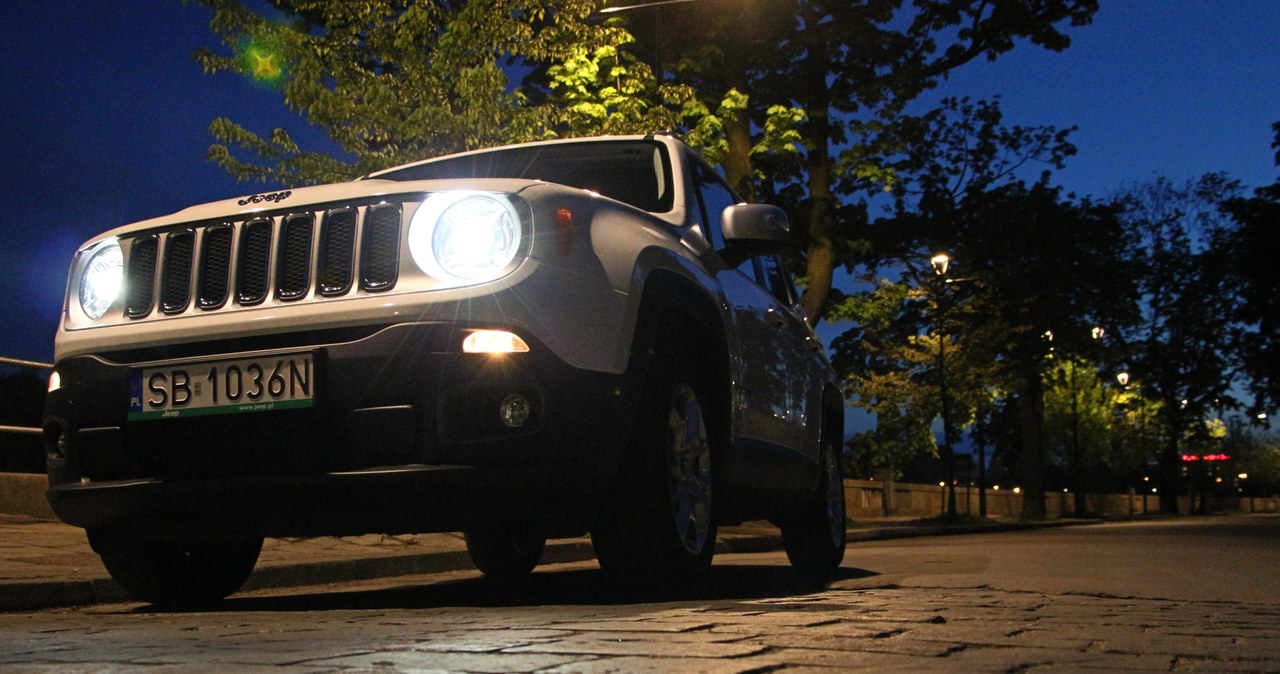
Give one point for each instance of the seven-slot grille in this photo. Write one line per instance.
(243, 263)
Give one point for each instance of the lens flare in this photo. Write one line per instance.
(263, 63)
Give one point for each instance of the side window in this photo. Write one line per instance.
(774, 277)
(714, 196)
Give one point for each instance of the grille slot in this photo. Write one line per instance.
(380, 248)
(140, 294)
(215, 267)
(337, 252)
(175, 280)
(293, 270)
(255, 262)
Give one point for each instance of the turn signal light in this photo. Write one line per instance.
(494, 341)
(564, 232)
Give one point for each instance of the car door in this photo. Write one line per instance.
(772, 374)
(800, 351)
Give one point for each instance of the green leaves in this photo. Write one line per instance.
(393, 81)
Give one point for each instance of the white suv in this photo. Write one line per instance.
(526, 342)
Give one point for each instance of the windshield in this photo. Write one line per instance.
(633, 172)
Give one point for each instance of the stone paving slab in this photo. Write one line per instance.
(45, 563)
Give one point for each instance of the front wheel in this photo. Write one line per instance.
(177, 572)
(660, 528)
(815, 537)
(505, 553)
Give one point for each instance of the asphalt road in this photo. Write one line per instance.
(1189, 559)
(1196, 594)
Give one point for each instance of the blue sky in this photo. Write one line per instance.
(105, 118)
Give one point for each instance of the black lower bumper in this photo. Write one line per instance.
(404, 435)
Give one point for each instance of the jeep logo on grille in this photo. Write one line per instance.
(271, 197)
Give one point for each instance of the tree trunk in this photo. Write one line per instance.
(1170, 466)
(821, 254)
(737, 162)
(821, 258)
(1029, 408)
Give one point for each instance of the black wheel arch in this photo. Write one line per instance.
(833, 417)
(679, 320)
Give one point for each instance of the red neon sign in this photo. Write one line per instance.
(1206, 457)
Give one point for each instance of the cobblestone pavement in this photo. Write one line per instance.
(898, 609)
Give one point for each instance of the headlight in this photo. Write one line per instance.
(464, 237)
(101, 280)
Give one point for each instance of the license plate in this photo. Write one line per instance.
(268, 383)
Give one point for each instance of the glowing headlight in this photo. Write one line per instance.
(101, 280)
(464, 237)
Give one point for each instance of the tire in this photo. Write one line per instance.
(661, 528)
(505, 553)
(177, 573)
(815, 537)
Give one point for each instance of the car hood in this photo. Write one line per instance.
(304, 198)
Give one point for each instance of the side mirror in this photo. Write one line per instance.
(753, 229)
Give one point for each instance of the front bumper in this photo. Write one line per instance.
(404, 435)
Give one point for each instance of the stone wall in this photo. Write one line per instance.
(23, 494)
(865, 499)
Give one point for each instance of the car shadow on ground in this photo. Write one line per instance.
(546, 587)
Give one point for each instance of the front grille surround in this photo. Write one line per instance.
(286, 256)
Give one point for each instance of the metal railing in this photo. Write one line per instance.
(31, 364)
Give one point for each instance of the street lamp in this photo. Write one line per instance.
(1123, 378)
(940, 261)
(627, 8)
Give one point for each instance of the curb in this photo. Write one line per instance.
(23, 494)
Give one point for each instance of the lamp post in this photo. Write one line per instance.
(1077, 452)
(940, 262)
(1114, 430)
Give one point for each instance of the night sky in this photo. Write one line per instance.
(105, 118)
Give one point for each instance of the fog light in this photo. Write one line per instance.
(514, 410)
(56, 449)
(494, 341)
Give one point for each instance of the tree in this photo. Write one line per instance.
(905, 360)
(889, 360)
(1047, 272)
(852, 68)
(1254, 455)
(1183, 351)
(1084, 425)
(392, 81)
(1250, 248)
(1030, 262)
